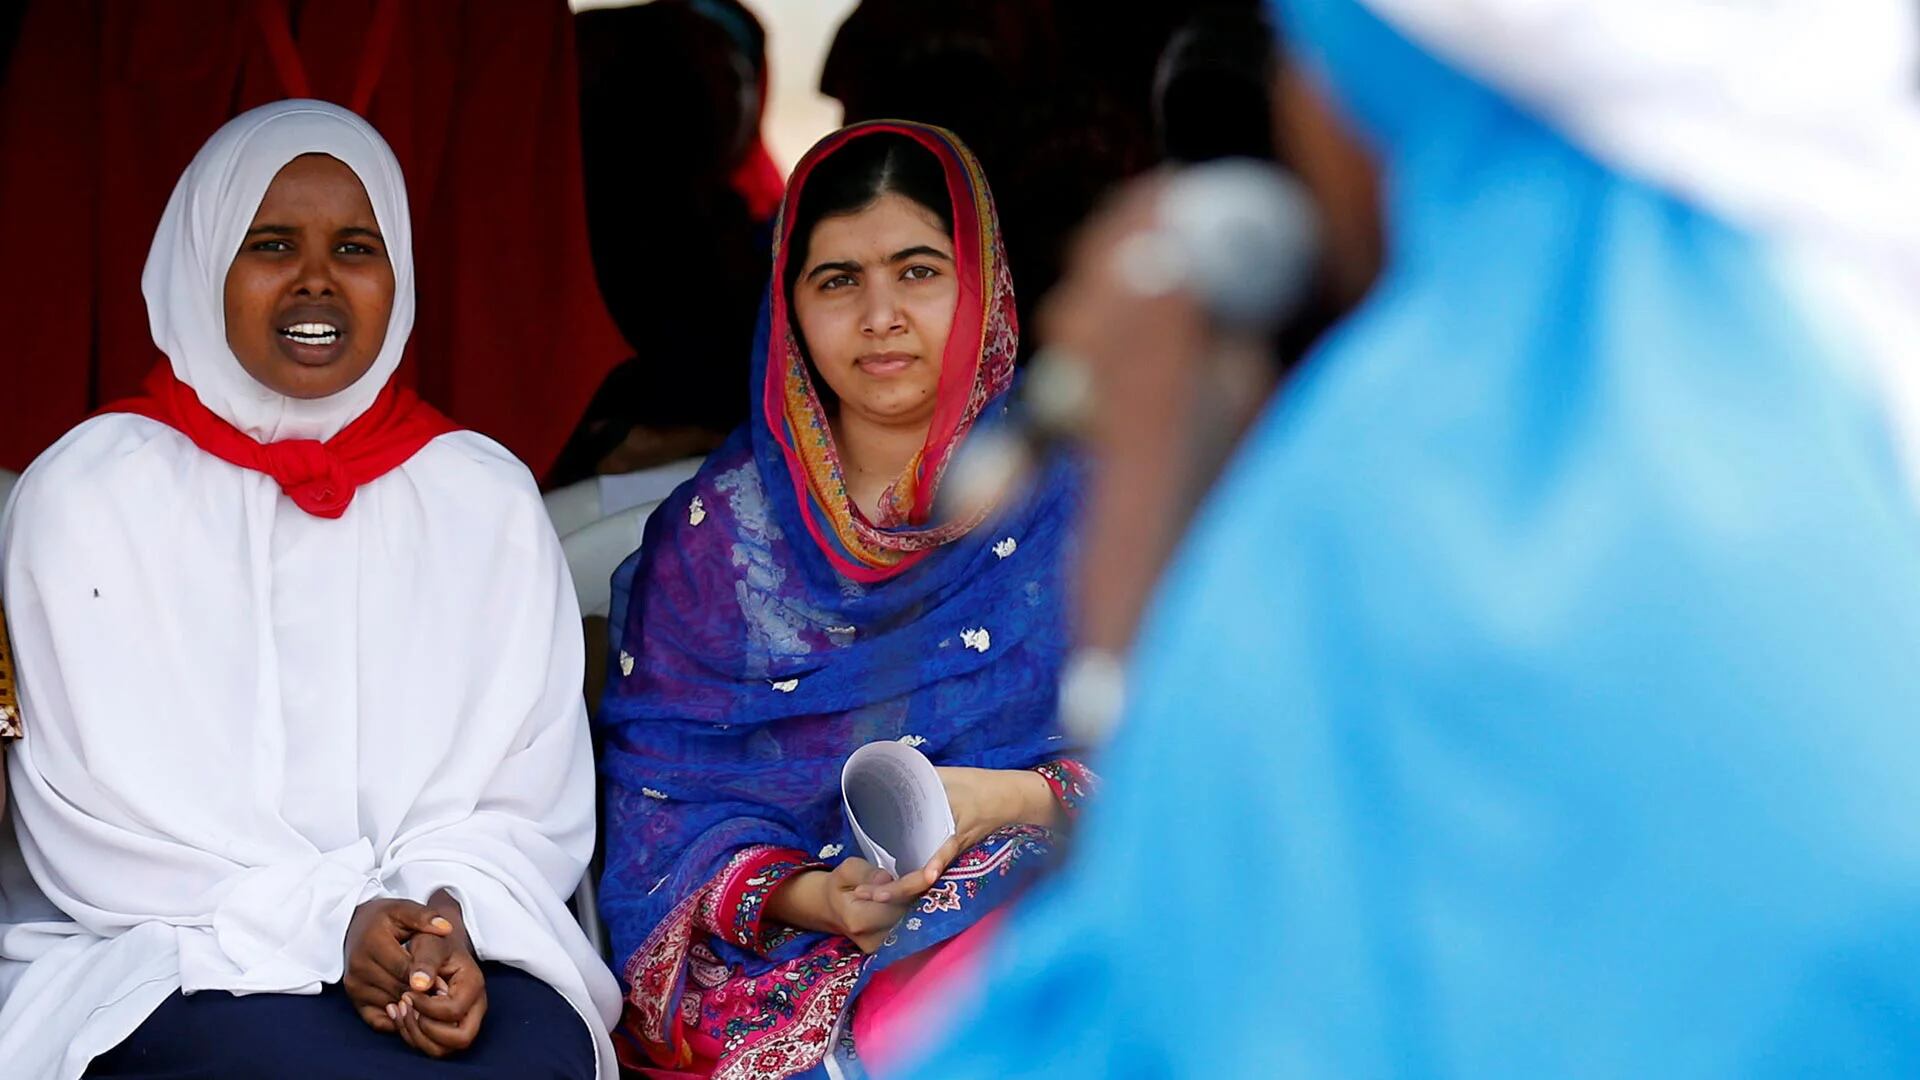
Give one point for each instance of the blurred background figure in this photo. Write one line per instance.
(1056, 96)
(1211, 87)
(681, 194)
(104, 103)
(1534, 695)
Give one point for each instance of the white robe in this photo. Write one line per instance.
(243, 720)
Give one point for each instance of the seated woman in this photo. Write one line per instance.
(797, 599)
(305, 778)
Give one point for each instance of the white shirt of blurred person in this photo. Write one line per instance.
(1535, 694)
(305, 754)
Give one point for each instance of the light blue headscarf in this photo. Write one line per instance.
(1539, 695)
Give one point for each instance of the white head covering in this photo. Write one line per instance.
(201, 231)
(242, 720)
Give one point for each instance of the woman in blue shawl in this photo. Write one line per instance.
(798, 599)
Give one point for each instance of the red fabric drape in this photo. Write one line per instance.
(107, 100)
(320, 477)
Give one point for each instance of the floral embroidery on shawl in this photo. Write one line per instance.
(779, 1023)
(731, 908)
(1073, 784)
(738, 898)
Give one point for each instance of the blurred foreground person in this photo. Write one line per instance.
(1163, 343)
(1536, 694)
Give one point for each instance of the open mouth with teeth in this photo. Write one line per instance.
(311, 333)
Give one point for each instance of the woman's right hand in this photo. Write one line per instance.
(827, 901)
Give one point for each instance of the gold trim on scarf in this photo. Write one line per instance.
(10, 725)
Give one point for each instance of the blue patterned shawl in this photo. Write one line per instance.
(747, 668)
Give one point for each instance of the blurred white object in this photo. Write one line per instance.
(575, 506)
(1247, 237)
(7, 480)
(597, 550)
(1093, 693)
(624, 491)
(584, 502)
(1241, 237)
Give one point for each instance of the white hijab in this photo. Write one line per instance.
(208, 216)
(242, 720)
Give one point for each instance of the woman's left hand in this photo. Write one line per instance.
(984, 801)
(446, 996)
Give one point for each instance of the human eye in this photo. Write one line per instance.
(352, 248)
(270, 245)
(837, 282)
(920, 272)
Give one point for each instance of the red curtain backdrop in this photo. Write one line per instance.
(105, 102)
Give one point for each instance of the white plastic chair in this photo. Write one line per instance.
(624, 491)
(600, 520)
(586, 909)
(575, 506)
(596, 551)
(593, 553)
(584, 502)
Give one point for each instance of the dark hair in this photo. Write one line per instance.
(855, 175)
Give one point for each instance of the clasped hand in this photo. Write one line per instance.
(411, 971)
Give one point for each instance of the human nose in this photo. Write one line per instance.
(316, 276)
(882, 315)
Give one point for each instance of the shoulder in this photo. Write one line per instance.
(481, 460)
(100, 464)
(478, 472)
(99, 445)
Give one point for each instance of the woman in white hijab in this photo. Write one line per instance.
(305, 779)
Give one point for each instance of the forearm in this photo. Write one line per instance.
(802, 903)
(738, 904)
(1036, 800)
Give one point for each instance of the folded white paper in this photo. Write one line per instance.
(896, 804)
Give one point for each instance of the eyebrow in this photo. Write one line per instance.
(918, 251)
(839, 267)
(289, 230)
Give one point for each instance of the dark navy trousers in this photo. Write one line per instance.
(529, 1033)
